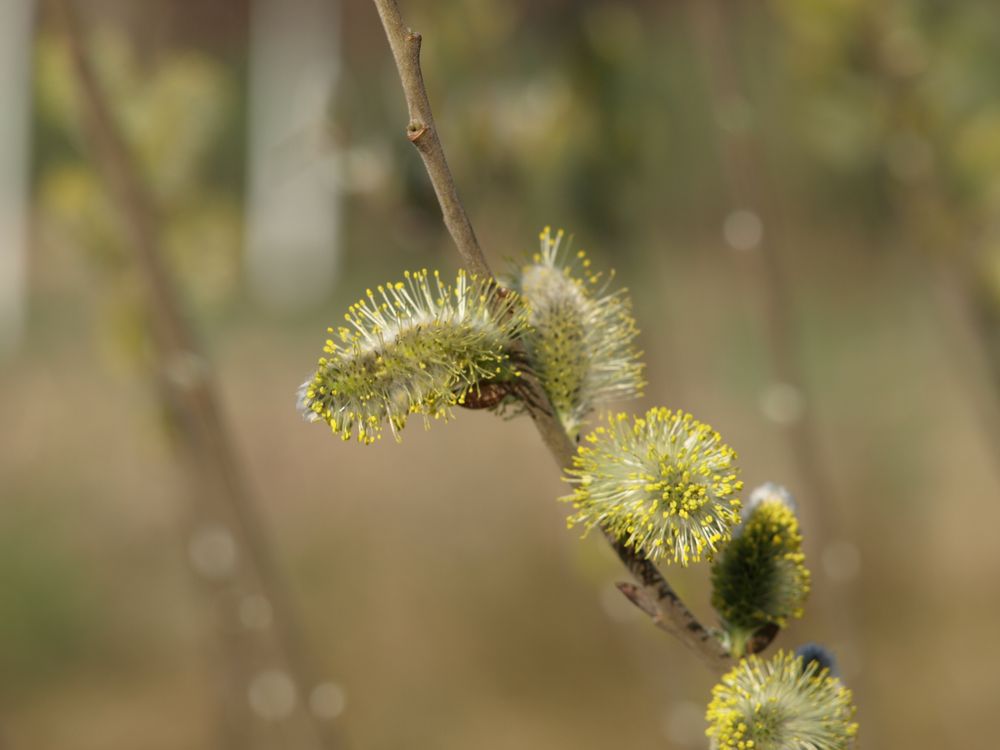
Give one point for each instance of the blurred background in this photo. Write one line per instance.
(803, 197)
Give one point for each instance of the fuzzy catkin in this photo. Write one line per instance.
(416, 346)
(760, 577)
(780, 704)
(582, 340)
(664, 483)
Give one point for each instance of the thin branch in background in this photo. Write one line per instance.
(657, 597)
(189, 394)
(968, 314)
(940, 234)
(749, 190)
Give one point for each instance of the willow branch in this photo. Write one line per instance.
(423, 134)
(663, 601)
(184, 377)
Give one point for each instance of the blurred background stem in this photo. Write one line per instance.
(756, 232)
(229, 542)
(944, 236)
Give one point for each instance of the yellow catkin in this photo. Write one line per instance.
(665, 484)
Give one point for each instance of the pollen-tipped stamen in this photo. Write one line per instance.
(416, 346)
(760, 579)
(665, 484)
(780, 704)
(581, 342)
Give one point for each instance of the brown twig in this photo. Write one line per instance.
(655, 589)
(659, 605)
(184, 377)
(423, 134)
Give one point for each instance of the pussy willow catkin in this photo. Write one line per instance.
(582, 339)
(760, 577)
(784, 703)
(416, 346)
(663, 483)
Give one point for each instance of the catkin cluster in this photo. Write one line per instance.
(663, 484)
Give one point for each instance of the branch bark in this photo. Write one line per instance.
(423, 134)
(664, 605)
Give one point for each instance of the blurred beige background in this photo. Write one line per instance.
(803, 191)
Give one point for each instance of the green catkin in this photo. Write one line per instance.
(412, 347)
(582, 341)
(760, 578)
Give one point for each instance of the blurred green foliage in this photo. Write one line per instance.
(48, 617)
(178, 111)
(596, 114)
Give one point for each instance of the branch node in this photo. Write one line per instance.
(635, 595)
(415, 131)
